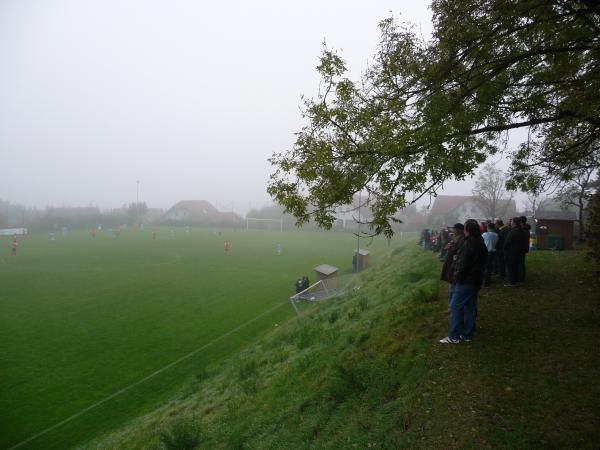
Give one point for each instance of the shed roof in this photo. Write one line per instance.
(559, 214)
(326, 269)
(362, 251)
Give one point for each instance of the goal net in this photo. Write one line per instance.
(264, 224)
(324, 290)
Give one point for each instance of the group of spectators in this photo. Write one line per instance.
(435, 240)
(474, 252)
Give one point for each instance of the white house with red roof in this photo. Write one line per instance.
(191, 212)
(449, 209)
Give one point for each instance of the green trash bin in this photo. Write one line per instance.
(556, 242)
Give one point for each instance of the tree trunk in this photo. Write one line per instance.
(580, 217)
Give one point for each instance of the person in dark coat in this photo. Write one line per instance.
(468, 276)
(445, 240)
(502, 233)
(513, 251)
(451, 251)
(526, 229)
(425, 237)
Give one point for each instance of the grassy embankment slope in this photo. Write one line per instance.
(365, 371)
(83, 318)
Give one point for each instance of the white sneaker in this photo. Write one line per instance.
(448, 340)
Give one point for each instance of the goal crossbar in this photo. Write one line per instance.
(256, 219)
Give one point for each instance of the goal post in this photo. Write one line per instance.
(312, 293)
(250, 220)
(322, 290)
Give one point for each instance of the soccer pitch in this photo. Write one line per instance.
(82, 318)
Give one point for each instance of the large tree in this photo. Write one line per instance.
(490, 192)
(577, 192)
(426, 112)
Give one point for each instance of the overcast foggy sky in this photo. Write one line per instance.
(188, 97)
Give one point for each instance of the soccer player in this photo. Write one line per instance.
(226, 246)
(14, 245)
(278, 248)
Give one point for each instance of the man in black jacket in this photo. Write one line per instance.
(451, 251)
(514, 251)
(468, 276)
(526, 231)
(502, 233)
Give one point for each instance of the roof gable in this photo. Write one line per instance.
(446, 204)
(559, 214)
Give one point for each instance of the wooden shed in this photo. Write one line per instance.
(328, 274)
(362, 259)
(554, 229)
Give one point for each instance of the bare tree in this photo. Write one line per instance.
(533, 202)
(577, 193)
(490, 192)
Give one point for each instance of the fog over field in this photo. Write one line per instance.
(190, 98)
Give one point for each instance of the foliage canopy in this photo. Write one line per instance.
(426, 112)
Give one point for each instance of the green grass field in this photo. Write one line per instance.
(365, 370)
(83, 318)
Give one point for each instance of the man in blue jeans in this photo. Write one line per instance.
(468, 276)
(513, 251)
(451, 251)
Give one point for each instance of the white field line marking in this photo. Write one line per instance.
(137, 383)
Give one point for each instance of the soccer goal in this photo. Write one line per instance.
(321, 290)
(268, 222)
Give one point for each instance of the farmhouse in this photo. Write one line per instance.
(448, 209)
(198, 212)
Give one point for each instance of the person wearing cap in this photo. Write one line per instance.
(490, 237)
(451, 250)
(468, 276)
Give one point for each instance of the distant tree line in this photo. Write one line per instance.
(14, 215)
